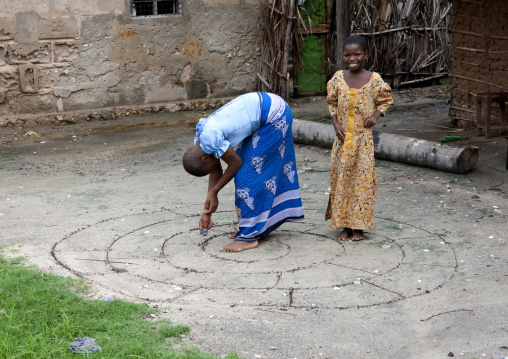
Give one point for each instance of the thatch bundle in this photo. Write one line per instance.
(409, 40)
(278, 20)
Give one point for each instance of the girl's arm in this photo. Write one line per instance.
(214, 176)
(339, 130)
(217, 179)
(332, 101)
(382, 102)
(371, 121)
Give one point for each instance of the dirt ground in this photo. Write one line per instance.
(108, 201)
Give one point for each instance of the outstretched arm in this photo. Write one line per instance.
(217, 179)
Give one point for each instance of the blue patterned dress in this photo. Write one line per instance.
(266, 186)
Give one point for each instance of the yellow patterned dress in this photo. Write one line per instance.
(353, 175)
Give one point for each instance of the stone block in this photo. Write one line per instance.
(34, 103)
(58, 28)
(87, 99)
(50, 77)
(197, 89)
(22, 5)
(111, 5)
(66, 51)
(160, 94)
(9, 78)
(27, 27)
(7, 28)
(29, 53)
(29, 78)
(3, 50)
(88, 7)
(221, 2)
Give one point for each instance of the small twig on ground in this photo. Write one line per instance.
(60, 342)
(494, 188)
(449, 128)
(102, 260)
(451, 311)
(273, 311)
(415, 129)
(314, 170)
(147, 311)
(470, 143)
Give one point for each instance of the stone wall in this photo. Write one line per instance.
(479, 54)
(60, 56)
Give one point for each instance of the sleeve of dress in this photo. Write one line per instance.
(384, 98)
(199, 128)
(331, 96)
(212, 141)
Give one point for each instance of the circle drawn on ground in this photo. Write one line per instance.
(161, 257)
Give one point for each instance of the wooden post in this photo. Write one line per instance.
(287, 43)
(342, 19)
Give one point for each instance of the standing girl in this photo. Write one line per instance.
(356, 99)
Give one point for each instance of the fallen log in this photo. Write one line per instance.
(397, 148)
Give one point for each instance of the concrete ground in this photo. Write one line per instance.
(109, 201)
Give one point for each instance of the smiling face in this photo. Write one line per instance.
(354, 57)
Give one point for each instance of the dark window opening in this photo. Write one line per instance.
(155, 7)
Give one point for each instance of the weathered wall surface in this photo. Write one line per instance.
(479, 54)
(58, 56)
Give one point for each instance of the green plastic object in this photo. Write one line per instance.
(452, 138)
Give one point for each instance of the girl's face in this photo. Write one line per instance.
(354, 57)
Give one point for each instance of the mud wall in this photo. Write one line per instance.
(479, 54)
(58, 56)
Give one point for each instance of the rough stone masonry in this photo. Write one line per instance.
(59, 57)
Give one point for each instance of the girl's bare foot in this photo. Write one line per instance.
(344, 235)
(358, 235)
(238, 246)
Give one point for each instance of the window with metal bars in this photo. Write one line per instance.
(140, 8)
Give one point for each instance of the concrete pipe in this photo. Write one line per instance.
(387, 146)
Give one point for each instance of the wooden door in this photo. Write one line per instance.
(314, 40)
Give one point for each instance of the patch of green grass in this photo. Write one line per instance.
(41, 313)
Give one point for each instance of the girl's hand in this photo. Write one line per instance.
(339, 130)
(371, 121)
(211, 203)
(205, 221)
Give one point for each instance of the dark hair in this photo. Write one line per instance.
(357, 40)
(192, 163)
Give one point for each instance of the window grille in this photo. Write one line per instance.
(141, 8)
